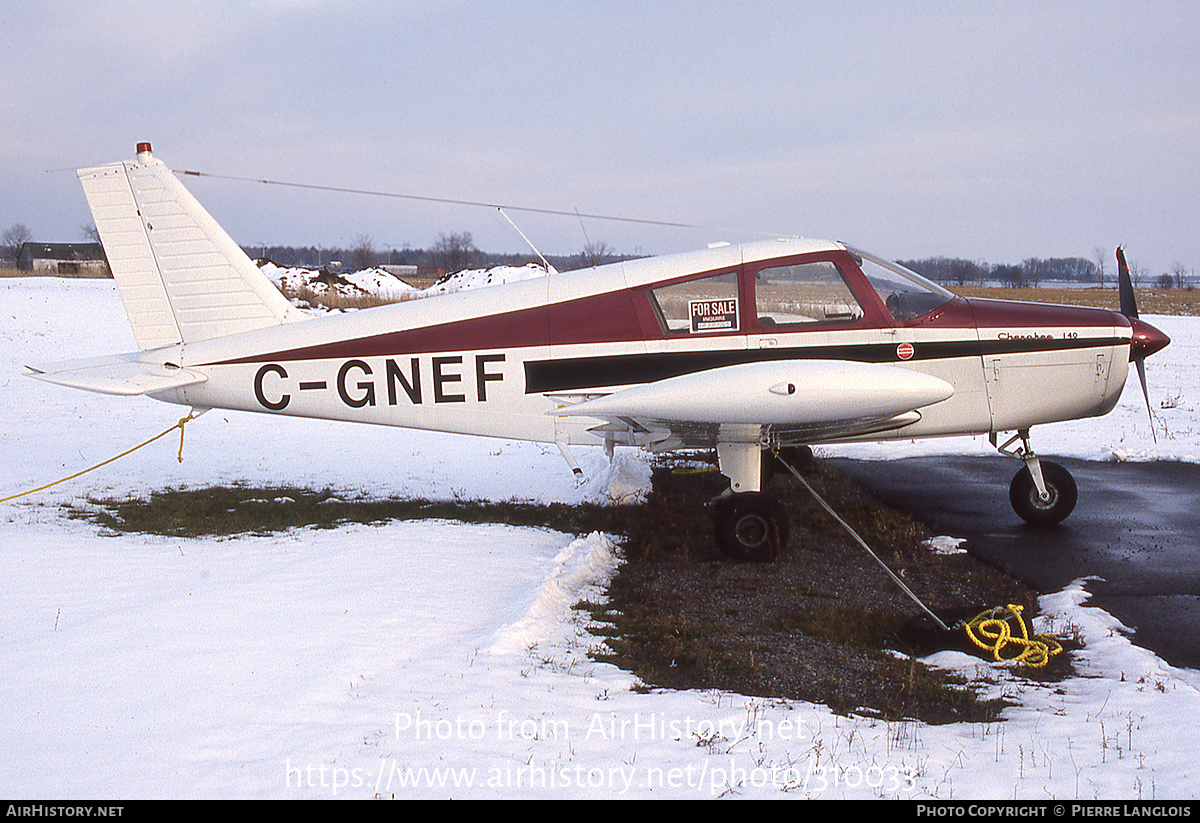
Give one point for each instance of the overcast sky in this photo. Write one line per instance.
(993, 131)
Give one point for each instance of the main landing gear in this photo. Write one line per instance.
(1043, 493)
(748, 523)
(750, 526)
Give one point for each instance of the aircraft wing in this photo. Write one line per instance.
(801, 401)
(122, 374)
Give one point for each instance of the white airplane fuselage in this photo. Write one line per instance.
(492, 361)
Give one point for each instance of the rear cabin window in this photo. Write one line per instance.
(804, 293)
(706, 305)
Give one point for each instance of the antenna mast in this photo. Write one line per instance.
(545, 262)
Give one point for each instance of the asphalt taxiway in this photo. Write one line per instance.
(1136, 528)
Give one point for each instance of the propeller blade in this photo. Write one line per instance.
(1146, 339)
(1125, 286)
(1141, 367)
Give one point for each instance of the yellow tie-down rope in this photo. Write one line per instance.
(191, 416)
(992, 631)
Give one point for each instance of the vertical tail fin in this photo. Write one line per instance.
(180, 276)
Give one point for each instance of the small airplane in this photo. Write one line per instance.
(754, 350)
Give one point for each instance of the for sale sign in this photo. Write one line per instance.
(713, 315)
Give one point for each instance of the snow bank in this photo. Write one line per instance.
(299, 279)
(377, 281)
(477, 278)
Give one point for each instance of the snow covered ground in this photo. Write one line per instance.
(436, 659)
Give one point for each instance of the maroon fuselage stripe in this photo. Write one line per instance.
(627, 316)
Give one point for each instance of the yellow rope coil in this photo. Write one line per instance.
(992, 631)
(159, 436)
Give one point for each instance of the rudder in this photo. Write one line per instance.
(180, 276)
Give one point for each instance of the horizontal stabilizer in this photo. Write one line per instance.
(122, 374)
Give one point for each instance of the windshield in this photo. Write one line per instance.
(906, 294)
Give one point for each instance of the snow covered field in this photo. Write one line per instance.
(435, 659)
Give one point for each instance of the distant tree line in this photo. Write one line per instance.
(449, 253)
(1036, 271)
(457, 251)
(1030, 273)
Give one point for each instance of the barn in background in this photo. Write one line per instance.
(63, 259)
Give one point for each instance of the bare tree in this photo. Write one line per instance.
(362, 256)
(1011, 276)
(598, 252)
(1101, 255)
(1031, 272)
(1177, 273)
(13, 238)
(454, 252)
(959, 271)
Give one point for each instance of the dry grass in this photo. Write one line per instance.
(1150, 301)
(226, 510)
(334, 300)
(420, 283)
(82, 275)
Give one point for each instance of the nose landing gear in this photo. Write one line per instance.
(1043, 493)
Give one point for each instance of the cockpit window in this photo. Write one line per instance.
(906, 294)
(804, 293)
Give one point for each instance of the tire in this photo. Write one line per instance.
(1026, 502)
(751, 526)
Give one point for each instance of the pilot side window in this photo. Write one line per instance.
(905, 294)
(709, 304)
(804, 293)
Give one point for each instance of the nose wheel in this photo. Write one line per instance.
(1058, 502)
(1043, 493)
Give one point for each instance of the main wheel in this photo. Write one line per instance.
(751, 526)
(1027, 503)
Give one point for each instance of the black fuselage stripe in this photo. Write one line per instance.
(567, 374)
